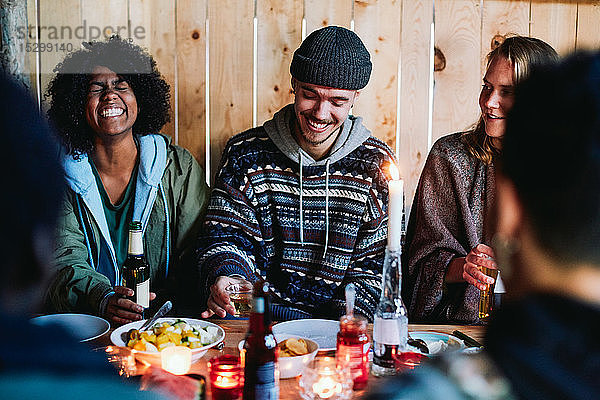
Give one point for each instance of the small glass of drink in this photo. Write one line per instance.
(240, 295)
(486, 297)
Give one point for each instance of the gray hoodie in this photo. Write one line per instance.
(353, 134)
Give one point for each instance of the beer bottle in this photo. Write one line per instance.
(136, 272)
(261, 379)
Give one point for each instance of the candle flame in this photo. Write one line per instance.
(327, 387)
(394, 172)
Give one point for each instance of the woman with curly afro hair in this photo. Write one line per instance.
(108, 104)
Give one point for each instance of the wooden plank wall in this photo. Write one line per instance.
(227, 61)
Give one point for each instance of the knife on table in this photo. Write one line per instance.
(165, 308)
(468, 340)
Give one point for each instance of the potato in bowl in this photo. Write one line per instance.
(199, 335)
(292, 362)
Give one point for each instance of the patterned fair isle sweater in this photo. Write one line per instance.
(308, 230)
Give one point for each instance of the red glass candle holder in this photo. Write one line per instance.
(226, 377)
(352, 351)
(408, 360)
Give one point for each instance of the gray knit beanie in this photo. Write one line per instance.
(334, 57)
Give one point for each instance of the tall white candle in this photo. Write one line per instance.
(395, 209)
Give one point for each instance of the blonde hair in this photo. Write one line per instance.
(525, 54)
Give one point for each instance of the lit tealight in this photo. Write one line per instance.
(224, 382)
(176, 359)
(226, 377)
(324, 380)
(327, 387)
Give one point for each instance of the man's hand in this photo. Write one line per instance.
(120, 310)
(480, 256)
(218, 302)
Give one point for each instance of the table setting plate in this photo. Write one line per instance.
(82, 327)
(453, 343)
(322, 331)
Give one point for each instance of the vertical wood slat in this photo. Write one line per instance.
(279, 34)
(231, 58)
(588, 19)
(501, 17)
(417, 16)
(458, 36)
(231, 61)
(157, 18)
(378, 25)
(191, 63)
(58, 14)
(555, 23)
(105, 21)
(319, 13)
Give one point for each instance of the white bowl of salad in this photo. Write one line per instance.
(199, 335)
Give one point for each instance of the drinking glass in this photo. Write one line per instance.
(486, 297)
(240, 295)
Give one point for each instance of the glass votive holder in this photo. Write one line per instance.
(226, 377)
(122, 358)
(176, 359)
(325, 380)
(408, 360)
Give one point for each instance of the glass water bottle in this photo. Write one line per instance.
(390, 326)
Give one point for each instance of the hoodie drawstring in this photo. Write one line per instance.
(326, 207)
(85, 235)
(301, 201)
(167, 223)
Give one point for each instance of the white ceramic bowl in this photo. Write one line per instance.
(322, 331)
(291, 367)
(82, 327)
(118, 338)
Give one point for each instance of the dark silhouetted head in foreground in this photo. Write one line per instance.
(32, 182)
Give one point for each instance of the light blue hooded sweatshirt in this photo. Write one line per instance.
(170, 197)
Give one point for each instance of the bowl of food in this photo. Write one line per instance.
(198, 335)
(295, 353)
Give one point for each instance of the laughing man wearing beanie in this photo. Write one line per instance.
(301, 201)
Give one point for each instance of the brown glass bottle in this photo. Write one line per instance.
(261, 379)
(136, 272)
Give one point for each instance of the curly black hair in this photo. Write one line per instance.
(68, 90)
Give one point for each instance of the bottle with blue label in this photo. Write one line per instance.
(261, 377)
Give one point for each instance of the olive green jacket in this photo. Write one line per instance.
(170, 198)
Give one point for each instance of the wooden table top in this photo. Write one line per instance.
(235, 330)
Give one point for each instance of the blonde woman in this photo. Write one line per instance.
(448, 233)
